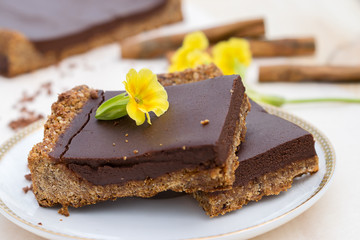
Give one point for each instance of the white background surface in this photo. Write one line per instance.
(336, 26)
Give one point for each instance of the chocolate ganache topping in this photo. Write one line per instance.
(117, 151)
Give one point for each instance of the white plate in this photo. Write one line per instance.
(132, 218)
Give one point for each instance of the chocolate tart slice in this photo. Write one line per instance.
(38, 33)
(274, 152)
(83, 160)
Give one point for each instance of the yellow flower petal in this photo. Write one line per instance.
(159, 107)
(148, 118)
(131, 82)
(186, 58)
(179, 60)
(191, 53)
(197, 57)
(196, 40)
(146, 78)
(154, 87)
(229, 54)
(134, 112)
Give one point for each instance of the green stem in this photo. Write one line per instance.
(279, 101)
(345, 100)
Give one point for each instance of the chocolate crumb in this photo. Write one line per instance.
(205, 122)
(116, 123)
(72, 65)
(135, 151)
(27, 188)
(24, 121)
(184, 147)
(47, 87)
(28, 177)
(40, 223)
(94, 94)
(26, 98)
(27, 117)
(23, 110)
(88, 67)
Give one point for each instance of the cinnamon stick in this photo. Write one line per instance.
(282, 47)
(277, 48)
(296, 73)
(151, 48)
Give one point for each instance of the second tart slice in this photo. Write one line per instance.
(275, 152)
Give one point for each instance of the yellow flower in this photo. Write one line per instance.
(146, 94)
(179, 60)
(196, 40)
(186, 58)
(232, 56)
(192, 53)
(197, 57)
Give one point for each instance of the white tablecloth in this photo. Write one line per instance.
(336, 26)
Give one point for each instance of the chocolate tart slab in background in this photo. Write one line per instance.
(38, 33)
(83, 161)
(274, 152)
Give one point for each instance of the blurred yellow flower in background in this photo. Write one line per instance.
(232, 56)
(197, 57)
(196, 40)
(186, 58)
(192, 53)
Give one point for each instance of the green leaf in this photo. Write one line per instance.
(113, 108)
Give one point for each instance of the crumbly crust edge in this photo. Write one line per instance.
(272, 183)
